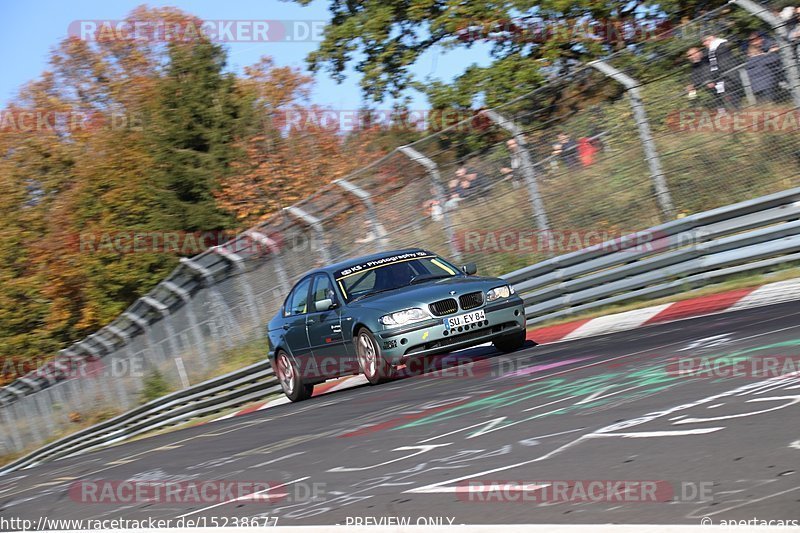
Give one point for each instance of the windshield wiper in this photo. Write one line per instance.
(427, 277)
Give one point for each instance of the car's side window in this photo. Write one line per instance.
(297, 303)
(322, 291)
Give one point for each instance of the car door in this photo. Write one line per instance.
(324, 325)
(294, 322)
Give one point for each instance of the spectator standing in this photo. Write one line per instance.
(432, 206)
(454, 192)
(722, 63)
(515, 163)
(565, 149)
(763, 69)
(789, 16)
(586, 150)
(700, 74)
(469, 185)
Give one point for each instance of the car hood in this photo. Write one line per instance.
(425, 293)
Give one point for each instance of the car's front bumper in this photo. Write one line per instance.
(399, 345)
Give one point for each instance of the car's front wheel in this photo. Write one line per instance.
(510, 343)
(372, 363)
(290, 379)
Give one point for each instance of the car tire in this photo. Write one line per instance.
(510, 343)
(370, 360)
(289, 377)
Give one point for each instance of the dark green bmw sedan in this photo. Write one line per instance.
(374, 314)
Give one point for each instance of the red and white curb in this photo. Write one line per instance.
(771, 293)
(347, 382)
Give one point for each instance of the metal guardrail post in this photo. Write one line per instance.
(39, 409)
(748, 87)
(88, 348)
(109, 348)
(29, 382)
(650, 152)
(163, 310)
(200, 270)
(126, 343)
(184, 295)
(366, 199)
(316, 225)
(528, 170)
(12, 431)
(275, 256)
(436, 180)
(787, 54)
(210, 283)
(98, 338)
(140, 322)
(121, 396)
(14, 390)
(238, 261)
(144, 326)
(63, 363)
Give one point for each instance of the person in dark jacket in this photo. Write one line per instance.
(763, 68)
(722, 66)
(567, 150)
(700, 74)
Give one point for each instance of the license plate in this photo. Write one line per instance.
(464, 320)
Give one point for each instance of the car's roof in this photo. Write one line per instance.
(341, 265)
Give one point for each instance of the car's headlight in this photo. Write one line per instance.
(404, 317)
(499, 292)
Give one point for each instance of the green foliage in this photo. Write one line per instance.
(155, 386)
(198, 115)
(384, 39)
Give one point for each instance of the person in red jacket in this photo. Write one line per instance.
(586, 151)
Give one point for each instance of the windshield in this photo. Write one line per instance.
(391, 273)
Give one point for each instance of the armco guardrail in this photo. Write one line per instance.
(663, 260)
(666, 259)
(231, 390)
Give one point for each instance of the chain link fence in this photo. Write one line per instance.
(665, 128)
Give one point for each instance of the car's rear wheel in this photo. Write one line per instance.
(510, 343)
(372, 363)
(290, 379)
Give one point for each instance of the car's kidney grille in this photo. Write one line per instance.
(444, 307)
(471, 300)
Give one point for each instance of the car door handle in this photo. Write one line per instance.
(286, 326)
(310, 321)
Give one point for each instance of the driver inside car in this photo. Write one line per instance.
(397, 275)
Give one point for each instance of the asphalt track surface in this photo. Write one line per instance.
(604, 408)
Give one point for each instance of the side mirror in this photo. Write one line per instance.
(325, 305)
(470, 269)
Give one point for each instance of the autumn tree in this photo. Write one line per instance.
(291, 155)
(158, 131)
